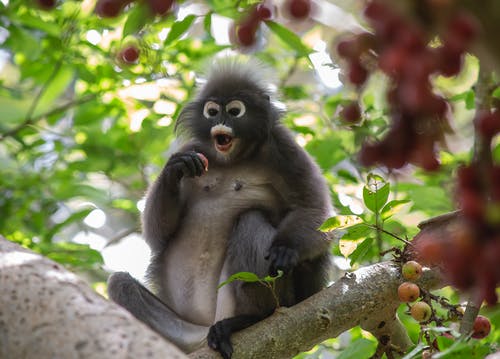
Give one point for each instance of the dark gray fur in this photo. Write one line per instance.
(256, 209)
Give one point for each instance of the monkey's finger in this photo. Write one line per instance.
(189, 168)
(200, 166)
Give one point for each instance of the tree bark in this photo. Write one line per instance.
(47, 312)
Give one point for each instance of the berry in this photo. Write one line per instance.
(204, 160)
(408, 292)
(246, 34)
(411, 270)
(482, 327)
(46, 4)
(109, 8)
(421, 311)
(130, 54)
(160, 7)
(488, 124)
(264, 12)
(351, 113)
(357, 73)
(299, 9)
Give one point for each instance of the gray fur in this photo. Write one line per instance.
(256, 209)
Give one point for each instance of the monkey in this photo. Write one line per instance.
(239, 194)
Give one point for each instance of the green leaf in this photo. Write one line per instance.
(357, 231)
(136, 20)
(248, 277)
(207, 23)
(359, 349)
(392, 208)
(375, 193)
(361, 250)
(496, 92)
(289, 37)
(179, 28)
(338, 222)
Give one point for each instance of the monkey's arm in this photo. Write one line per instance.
(163, 203)
(308, 198)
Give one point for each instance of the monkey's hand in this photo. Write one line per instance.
(282, 258)
(181, 164)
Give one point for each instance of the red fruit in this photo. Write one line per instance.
(488, 124)
(376, 11)
(357, 73)
(130, 54)
(472, 205)
(109, 8)
(299, 9)
(264, 12)
(421, 311)
(393, 60)
(411, 270)
(204, 160)
(408, 292)
(160, 7)
(430, 250)
(46, 4)
(482, 327)
(351, 112)
(464, 27)
(246, 34)
(416, 97)
(449, 61)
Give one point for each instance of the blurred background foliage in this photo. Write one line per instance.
(83, 133)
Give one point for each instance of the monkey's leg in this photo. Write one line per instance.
(239, 304)
(145, 306)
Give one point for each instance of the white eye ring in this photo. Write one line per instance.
(236, 108)
(211, 109)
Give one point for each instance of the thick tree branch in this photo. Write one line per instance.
(47, 312)
(366, 297)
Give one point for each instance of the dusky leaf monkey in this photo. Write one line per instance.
(238, 195)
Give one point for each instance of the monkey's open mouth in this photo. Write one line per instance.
(223, 137)
(223, 142)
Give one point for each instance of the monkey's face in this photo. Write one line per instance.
(230, 125)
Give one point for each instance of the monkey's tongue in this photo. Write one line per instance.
(223, 142)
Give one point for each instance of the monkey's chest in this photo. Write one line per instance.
(195, 256)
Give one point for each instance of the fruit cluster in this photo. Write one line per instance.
(410, 292)
(422, 310)
(401, 49)
(245, 31)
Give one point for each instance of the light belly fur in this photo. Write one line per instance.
(214, 203)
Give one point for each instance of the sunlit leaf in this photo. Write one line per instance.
(178, 29)
(289, 38)
(243, 276)
(375, 193)
(393, 207)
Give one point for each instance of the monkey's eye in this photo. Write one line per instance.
(235, 108)
(211, 109)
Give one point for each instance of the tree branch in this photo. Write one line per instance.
(366, 297)
(48, 312)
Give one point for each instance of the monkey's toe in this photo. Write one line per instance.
(219, 338)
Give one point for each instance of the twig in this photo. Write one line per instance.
(390, 234)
